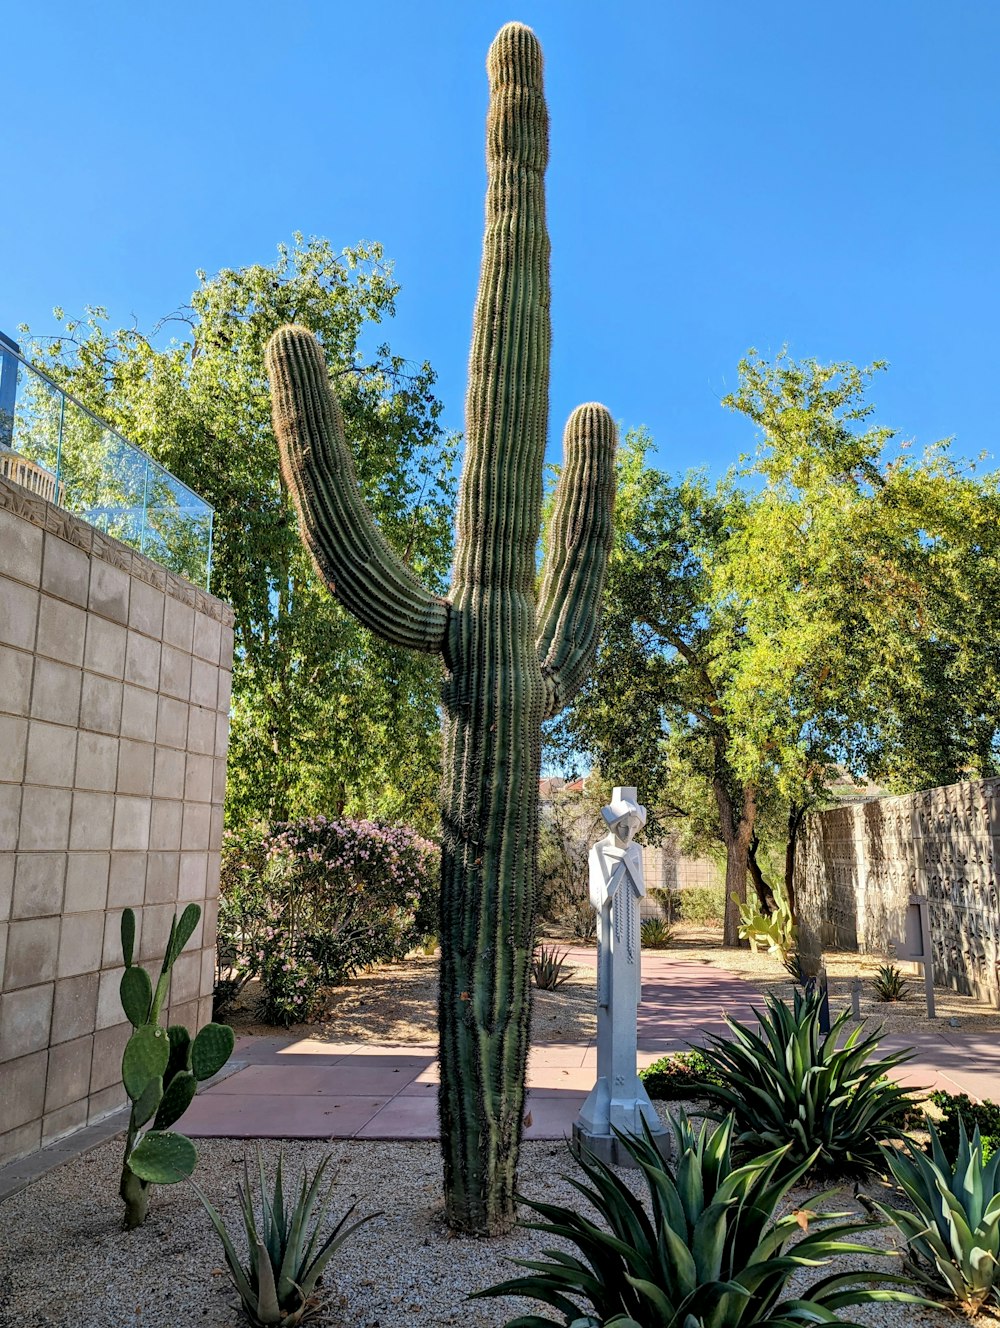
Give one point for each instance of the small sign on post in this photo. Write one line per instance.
(915, 945)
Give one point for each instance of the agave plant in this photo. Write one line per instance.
(287, 1251)
(548, 968)
(790, 1084)
(705, 1249)
(953, 1235)
(656, 934)
(890, 984)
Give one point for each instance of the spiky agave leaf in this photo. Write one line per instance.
(548, 967)
(287, 1249)
(953, 1235)
(712, 1253)
(788, 1083)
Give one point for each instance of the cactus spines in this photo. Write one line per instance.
(509, 662)
(350, 552)
(160, 1070)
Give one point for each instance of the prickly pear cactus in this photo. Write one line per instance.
(511, 659)
(161, 1068)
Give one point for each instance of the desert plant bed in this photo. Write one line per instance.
(397, 1002)
(67, 1261)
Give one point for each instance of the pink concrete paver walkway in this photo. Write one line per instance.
(290, 1088)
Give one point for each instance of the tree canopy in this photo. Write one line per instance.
(325, 717)
(821, 609)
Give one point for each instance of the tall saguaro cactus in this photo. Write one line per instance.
(511, 659)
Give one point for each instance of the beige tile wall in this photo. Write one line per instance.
(115, 678)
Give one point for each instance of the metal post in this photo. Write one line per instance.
(211, 535)
(925, 946)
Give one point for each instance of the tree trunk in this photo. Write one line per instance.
(737, 831)
(795, 815)
(765, 894)
(736, 883)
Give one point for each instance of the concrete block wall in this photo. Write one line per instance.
(115, 678)
(857, 865)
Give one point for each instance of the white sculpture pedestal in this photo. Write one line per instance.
(618, 1099)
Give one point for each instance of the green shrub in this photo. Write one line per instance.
(656, 934)
(244, 911)
(666, 900)
(707, 1248)
(958, 1111)
(790, 1084)
(952, 1232)
(890, 984)
(291, 981)
(701, 903)
(679, 1076)
(287, 1251)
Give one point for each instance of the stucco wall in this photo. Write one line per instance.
(115, 678)
(857, 865)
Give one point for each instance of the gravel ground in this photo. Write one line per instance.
(65, 1260)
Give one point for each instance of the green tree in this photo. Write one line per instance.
(823, 607)
(326, 717)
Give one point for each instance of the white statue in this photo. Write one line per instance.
(616, 885)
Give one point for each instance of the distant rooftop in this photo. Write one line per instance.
(56, 448)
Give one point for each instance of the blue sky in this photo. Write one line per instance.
(722, 175)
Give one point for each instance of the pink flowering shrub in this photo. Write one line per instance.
(312, 902)
(291, 983)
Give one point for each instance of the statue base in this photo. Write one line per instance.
(602, 1114)
(609, 1149)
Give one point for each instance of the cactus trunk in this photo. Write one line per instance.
(160, 1070)
(135, 1194)
(504, 671)
(490, 818)
(493, 693)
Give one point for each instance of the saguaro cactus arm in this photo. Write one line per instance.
(350, 552)
(577, 556)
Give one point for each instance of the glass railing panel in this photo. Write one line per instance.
(178, 526)
(56, 448)
(31, 430)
